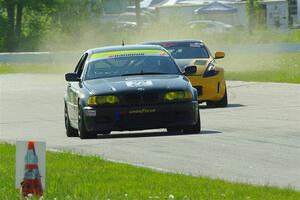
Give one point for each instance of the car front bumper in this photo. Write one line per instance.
(209, 88)
(120, 118)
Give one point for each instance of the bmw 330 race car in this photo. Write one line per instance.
(209, 79)
(131, 87)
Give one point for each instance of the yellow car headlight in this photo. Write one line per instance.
(100, 100)
(178, 95)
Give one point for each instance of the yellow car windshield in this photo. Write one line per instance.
(186, 50)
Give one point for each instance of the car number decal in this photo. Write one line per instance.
(139, 83)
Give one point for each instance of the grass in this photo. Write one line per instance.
(280, 67)
(71, 176)
(279, 76)
(35, 68)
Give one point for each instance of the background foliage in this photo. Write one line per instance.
(24, 24)
(76, 25)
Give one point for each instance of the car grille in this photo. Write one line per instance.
(159, 118)
(142, 98)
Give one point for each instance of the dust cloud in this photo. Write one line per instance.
(245, 50)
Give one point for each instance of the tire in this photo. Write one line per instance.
(70, 131)
(82, 132)
(194, 129)
(174, 129)
(105, 132)
(219, 104)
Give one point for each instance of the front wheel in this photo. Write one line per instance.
(219, 104)
(194, 128)
(173, 129)
(70, 131)
(83, 133)
(105, 132)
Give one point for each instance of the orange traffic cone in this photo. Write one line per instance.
(31, 183)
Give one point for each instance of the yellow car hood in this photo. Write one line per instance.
(201, 64)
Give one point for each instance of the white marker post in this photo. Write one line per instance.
(31, 168)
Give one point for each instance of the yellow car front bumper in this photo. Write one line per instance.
(209, 88)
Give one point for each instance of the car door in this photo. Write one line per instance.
(73, 91)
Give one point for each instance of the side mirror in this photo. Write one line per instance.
(190, 70)
(219, 54)
(72, 77)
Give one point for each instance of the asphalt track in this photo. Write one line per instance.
(256, 139)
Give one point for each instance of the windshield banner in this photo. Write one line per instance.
(127, 53)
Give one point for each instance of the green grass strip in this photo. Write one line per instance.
(266, 67)
(71, 176)
(35, 68)
(279, 76)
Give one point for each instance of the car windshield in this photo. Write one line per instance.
(129, 64)
(186, 50)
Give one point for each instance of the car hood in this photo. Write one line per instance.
(201, 64)
(134, 83)
(182, 63)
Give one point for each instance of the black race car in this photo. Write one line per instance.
(130, 87)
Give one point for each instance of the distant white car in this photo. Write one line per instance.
(131, 17)
(209, 26)
(124, 26)
(127, 21)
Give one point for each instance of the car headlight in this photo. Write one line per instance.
(178, 95)
(101, 100)
(210, 70)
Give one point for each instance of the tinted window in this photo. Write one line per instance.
(80, 65)
(186, 50)
(121, 66)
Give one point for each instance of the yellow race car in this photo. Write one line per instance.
(209, 79)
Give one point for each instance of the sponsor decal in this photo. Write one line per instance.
(127, 53)
(168, 44)
(143, 110)
(162, 53)
(139, 83)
